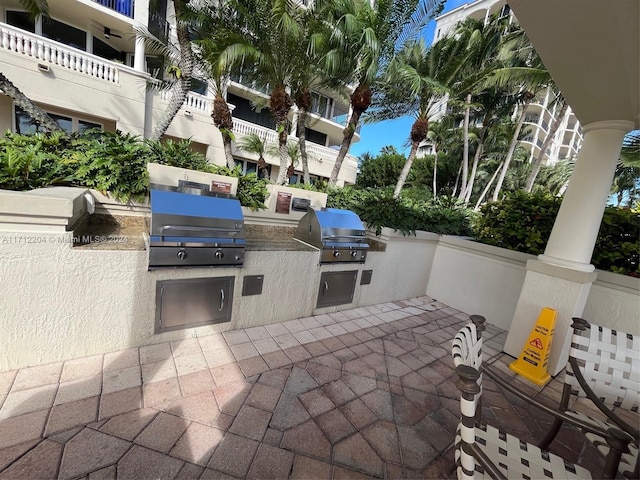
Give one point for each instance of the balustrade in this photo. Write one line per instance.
(51, 52)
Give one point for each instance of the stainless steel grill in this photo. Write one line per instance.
(339, 234)
(194, 229)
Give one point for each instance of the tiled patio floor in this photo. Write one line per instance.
(363, 393)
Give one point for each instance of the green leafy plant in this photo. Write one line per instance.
(111, 162)
(252, 191)
(176, 154)
(523, 222)
(33, 161)
(377, 209)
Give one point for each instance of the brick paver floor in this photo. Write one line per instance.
(362, 393)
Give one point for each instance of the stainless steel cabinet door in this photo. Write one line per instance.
(193, 302)
(336, 288)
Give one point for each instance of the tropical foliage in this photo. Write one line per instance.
(109, 162)
(523, 222)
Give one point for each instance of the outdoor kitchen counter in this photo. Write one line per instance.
(269, 238)
(106, 232)
(122, 232)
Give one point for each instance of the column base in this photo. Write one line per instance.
(548, 285)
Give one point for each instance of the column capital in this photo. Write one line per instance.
(624, 125)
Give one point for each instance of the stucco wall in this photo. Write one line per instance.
(615, 298)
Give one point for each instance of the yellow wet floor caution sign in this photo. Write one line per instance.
(533, 360)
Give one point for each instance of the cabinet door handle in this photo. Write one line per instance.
(326, 288)
(221, 300)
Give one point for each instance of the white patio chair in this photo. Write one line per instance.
(483, 451)
(604, 366)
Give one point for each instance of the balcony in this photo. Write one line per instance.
(125, 7)
(317, 152)
(50, 53)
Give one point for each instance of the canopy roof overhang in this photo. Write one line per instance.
(592, 50)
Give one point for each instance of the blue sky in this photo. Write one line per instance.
(394, 132)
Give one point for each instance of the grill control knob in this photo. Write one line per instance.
(354, 254)
(219, 254)
(182, 254)
(237, 258)
(336, 254)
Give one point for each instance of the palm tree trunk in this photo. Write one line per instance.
(279, 104)
(465, 151)
(223, 121)
(419, 131)
(435, 173)
(30, 108)
(474, 171)
(406, 168)
(228, 152)
(487, 187)
(182, 87)
(455, 185)
(512, 149)
(360, 101)
(302, 143)
(537, 164)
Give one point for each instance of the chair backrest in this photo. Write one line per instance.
(466, 348)
(609, 361)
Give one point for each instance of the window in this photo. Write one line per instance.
(103, 50)
(198, 86)
(321, 104)
(63, 33)
(248, 167)
(26, 126)
(21, 20)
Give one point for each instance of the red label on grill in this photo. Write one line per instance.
(283, 202)
(220, 187)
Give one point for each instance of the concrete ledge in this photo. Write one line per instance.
(497, 253)
(42, 209)
(618, 282)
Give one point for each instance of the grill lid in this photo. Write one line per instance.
(331, 228)
(183, 217)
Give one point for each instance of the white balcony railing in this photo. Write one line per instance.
(50, 52)
(193, 102)
(243, 127)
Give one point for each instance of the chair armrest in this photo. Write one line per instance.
(588, 427)
(598, 403)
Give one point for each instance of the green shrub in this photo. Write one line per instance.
(523, 222)
(111, 162)
(377, 209)
(176, 154)
(618, 244)
(252, 191)
(33, 161)
(519, 222)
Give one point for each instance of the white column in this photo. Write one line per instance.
(139, 62)
(140, 15)
(576, 227)
(561, 278)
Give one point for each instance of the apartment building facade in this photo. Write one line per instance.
(87, 68)
(541, 113)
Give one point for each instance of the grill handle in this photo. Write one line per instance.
(355, 237)
(221, 300)
(191, 228)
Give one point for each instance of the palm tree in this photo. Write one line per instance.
(479, 45)
(180, 71)
(411, 88)
(363, 37)
(258, 37)
(252, 143)
(34, 8)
